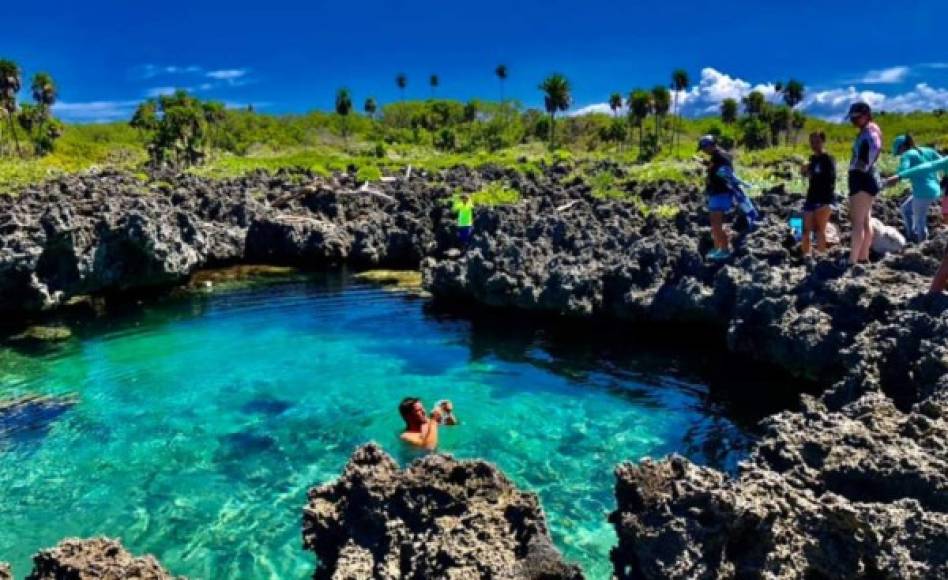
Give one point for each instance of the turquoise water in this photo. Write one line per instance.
(200, 422)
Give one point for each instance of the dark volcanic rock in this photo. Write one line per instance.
(94, 559)
(852, 486)
(676, 520)
(437, 518)
(110, 232)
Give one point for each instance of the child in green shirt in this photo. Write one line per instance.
(465, 209)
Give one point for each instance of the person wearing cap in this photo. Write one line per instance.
(720, 194)
(864, 182)
(925, 187)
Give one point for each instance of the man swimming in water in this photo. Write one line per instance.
(420, 428)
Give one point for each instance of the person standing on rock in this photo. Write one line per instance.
(720, 194)
(820, 195)
(944, 198)
(925, 187)
(465, 209)
(864, 182)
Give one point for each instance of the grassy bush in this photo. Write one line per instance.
(481, 132)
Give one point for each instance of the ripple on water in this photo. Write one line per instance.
(200, 423)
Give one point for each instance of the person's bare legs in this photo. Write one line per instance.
(808, 229)
(868, 233)
(717, 231)
(859, 208)
(821, 218)
(941, 278)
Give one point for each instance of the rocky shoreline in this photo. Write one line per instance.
(94, 558)
(853, 485)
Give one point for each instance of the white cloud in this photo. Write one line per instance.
(95, 111)
(891, 75)
(831, 103)
(227, 74)
(713, 87)
(150, 71)
(921, 98)
(159, 91)
(595, 108)
(255, 105)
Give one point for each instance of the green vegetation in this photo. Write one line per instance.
(495, 193)
(645, 134)
(35, 120)
(556, 98)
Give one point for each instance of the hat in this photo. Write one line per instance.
(706, 141)
(859, 108)
(899, 142)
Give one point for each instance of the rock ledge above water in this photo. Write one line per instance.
(436, 518)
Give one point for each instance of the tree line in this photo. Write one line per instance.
(180, 128)
(762, 124)
(34, 119)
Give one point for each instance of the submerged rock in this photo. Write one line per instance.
(436, 518)
(31, 415)
(94, 559)
(397, 280)
(43, 334)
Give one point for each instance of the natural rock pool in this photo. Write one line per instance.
(199, 422)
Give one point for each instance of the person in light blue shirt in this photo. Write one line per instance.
(925, 187)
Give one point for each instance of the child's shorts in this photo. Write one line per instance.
(720, 202)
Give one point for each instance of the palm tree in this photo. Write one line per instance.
(44, 91)
(501, 72)
(370, 107)
(679, 84)
(729, 111)
(433, 81)
(343, 108)
(556, 98)
(754, 103)
(615, 103)
(640, 107)
(798, 122)
(9, 86)
(661, 102)
(402, 81)
(793, 93)
(778, 119)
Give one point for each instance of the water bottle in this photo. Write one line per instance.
(796, 226)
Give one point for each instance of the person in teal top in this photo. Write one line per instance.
(465, 209)
(925, 187)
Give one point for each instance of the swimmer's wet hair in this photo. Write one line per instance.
(406, 406)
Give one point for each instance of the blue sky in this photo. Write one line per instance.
(291, 55)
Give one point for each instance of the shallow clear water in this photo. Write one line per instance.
(200, 422)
